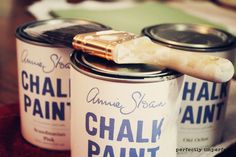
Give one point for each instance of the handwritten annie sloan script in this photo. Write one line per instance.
(47, 65)
(138, 101)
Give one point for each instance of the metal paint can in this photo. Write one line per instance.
(44, 87)
(201, 118)
(123, 110)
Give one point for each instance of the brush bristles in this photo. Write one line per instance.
(62, 34)
(36, 31)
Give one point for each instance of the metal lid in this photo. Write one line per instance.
(103, 69)
(190, 37)
(21, 34)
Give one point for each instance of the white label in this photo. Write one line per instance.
(44, 91)
(202, 113)
(201, 118)
(115, 119)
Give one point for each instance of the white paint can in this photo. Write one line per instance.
(123, 110)
(201, 118)
(44, 87)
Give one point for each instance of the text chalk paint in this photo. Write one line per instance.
(44, 91)
(110, 117)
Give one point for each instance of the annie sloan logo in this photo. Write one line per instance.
(138, 101)
(47, 65)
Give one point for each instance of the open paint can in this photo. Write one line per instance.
(201, 118)
(123, 110)
(44, 86)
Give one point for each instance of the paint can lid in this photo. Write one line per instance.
(24, 36)
(104, 69)
(190, 37)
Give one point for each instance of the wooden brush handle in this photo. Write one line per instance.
(199, 65)
(195, 64)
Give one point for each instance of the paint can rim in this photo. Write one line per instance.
(108, 70)
(191, 37)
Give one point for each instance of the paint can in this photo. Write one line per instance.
(123, 110)
(44, 87)
(201, 118)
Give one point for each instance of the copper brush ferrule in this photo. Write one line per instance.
(101, 43)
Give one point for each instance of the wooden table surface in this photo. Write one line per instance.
(12, 14)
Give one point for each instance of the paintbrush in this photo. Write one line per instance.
(127, 48)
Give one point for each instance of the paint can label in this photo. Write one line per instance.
(44, 91)
(202, 113)
(120, 119)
